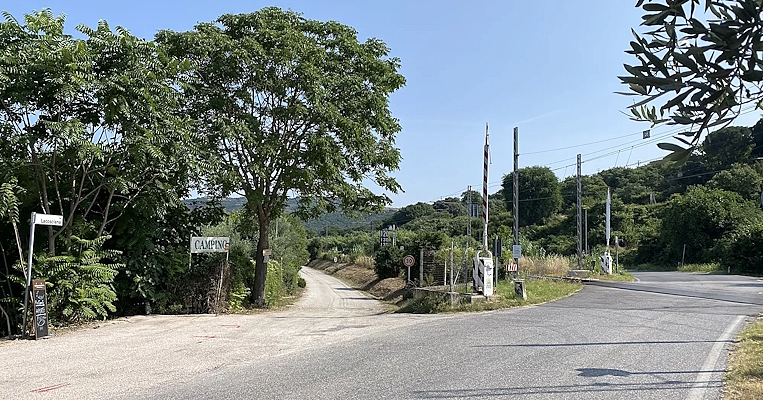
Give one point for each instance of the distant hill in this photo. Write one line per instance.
(334, 220)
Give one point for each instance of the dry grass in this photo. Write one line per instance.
(744, 379)
(364, 261)
(553, 265)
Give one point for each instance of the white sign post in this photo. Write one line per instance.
(209, 244)
(37, 219)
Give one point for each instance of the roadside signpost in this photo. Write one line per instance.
(212, 244)
(40, 309)
(409, 261)
(37, 219)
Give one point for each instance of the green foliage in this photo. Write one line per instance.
(274, 283)
(728, 146)
(708, 70)
(9, 202)
(80, 281)
(539, 193)
(308, 96)
(388, 262)
(743, 249)
(409, 213)
(741, 179)
(700, 218)
(103, 129)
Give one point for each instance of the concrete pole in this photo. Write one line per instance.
(421, 267)
(452, 286)
(579, 224)
(516, 189)
(484, 189)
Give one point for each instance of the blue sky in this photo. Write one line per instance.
(548, 67)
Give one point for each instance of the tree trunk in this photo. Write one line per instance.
(261, 267)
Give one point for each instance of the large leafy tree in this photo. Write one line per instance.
(539, 194)
(294, 107)
(90, 124)
(699, 59)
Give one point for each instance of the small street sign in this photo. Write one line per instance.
(266, 252)
(408, 261)
(48, 219)
(516, 251)
(384, 237)
(647, 133)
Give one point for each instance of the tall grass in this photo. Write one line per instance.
(552, 265)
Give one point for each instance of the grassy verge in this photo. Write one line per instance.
(622, 276)
(744, 379)
(538, 291)
(708, 268)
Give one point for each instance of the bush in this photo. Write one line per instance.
(81, 281)
(699, 219)
(743, 249)
(301, 282)
(273, 283)
(290, 275)
(388, 262)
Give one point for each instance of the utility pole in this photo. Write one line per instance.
(580, 228)
(469, 213)
(516, 187)
(484, 189)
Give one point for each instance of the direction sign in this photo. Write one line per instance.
(48, 219)
(209, 244)
(408, 261)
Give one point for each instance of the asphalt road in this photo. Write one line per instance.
(601, 343)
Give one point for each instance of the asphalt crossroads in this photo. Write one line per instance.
(665, 337)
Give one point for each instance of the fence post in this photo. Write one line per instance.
(421, 267)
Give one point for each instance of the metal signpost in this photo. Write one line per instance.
(409, 261)
(37, 219)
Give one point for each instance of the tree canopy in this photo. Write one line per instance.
(539, 194)
(292, 106)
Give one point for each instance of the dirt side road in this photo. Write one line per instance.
(131, 356)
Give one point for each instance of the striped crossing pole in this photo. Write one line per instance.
(484, 188)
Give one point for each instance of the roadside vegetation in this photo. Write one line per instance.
(744, 379)
(113, 132)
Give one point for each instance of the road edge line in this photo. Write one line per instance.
(699, 387)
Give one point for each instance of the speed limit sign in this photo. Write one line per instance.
(408, 261)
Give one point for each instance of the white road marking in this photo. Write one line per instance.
(697, 391)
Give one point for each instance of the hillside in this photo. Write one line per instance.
(334, 221)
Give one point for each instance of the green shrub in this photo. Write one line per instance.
(699, 219)
(388, 262)
(81, 281)
(290, 278)
(273, 283)
(238, 299)
(301, 282)
(743, 249)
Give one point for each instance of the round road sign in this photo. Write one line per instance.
(408, 261)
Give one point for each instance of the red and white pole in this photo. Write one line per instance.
(484, 188)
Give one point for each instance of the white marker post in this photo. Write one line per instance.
(37, 219)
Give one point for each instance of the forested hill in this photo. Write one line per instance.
(334, 221)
